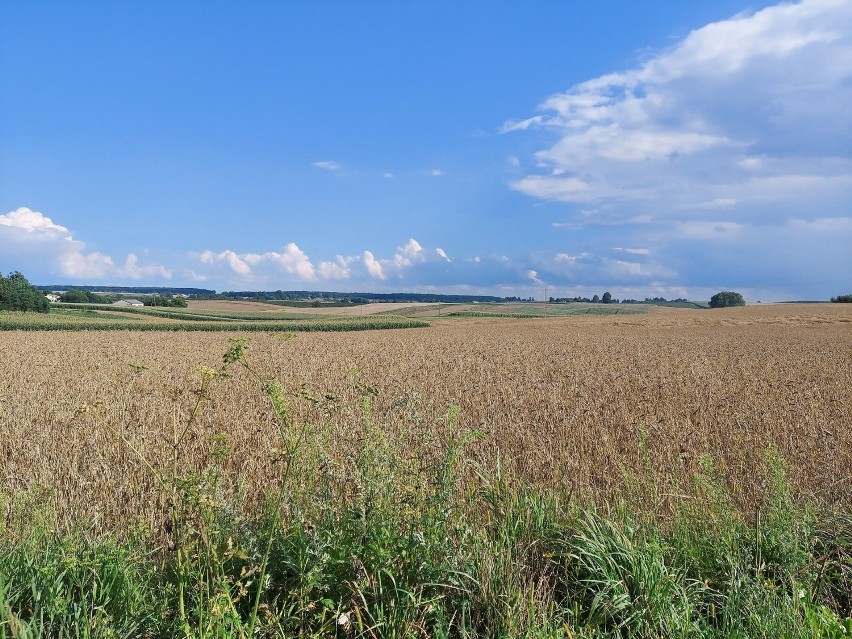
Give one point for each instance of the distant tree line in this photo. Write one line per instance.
(77, 296)
(358, 298)
(842, 299)
(607, 298)
(136, 290)
(161, 300)
(17, 294)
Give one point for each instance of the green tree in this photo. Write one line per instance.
(607, 298)
(74, 296)
(726, 298)
(596, 299)
(17, 294)
(842, 299)
(162, 300)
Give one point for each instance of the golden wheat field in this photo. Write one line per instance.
(580, 404)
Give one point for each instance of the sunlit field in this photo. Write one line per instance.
(570, 404)
(655, 414)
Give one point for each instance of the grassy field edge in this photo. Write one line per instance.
(382, 545)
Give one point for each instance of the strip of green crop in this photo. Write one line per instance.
(31, 322)
(486, 314)
(210, 316)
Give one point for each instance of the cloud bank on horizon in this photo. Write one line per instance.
(722, 161)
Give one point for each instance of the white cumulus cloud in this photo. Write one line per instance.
(31, 235)
(329, 165)
(95, 265)
(292, 259)
(712, 121)
(234, 261)
(338, 269)
(136, 271)
(374, 268)
(34, 223)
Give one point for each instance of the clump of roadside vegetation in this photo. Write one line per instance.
(842, 299)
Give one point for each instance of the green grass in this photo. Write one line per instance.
(516, 563)
(190, 314)
(378, 545)
(433, 310)
(83, 313)
(683, 304)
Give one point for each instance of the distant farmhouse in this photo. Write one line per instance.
(52, 297)
(130, 302)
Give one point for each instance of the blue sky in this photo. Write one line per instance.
(656, 148)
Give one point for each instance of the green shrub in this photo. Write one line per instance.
(725, 299)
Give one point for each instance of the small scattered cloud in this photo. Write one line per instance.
(718, 203)
(522, 125)
(700, 230)
(329, 165)
(533, 276)
(568, 226)
(442, 254)
(633, 251)
(565, 258)
(436, 173)
(388, 175)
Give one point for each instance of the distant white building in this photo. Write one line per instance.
(52, 297)
(130, 302)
